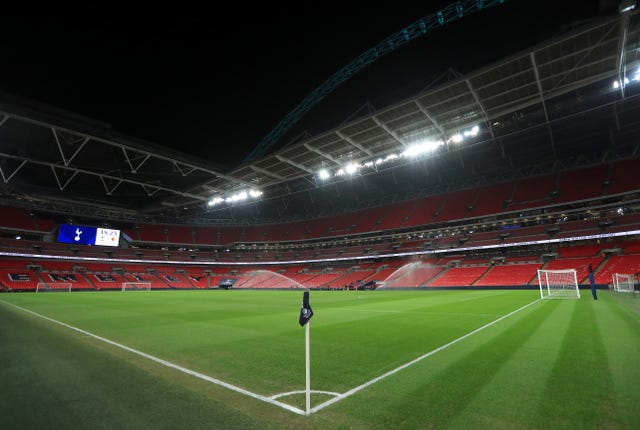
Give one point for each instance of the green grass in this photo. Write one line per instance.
(556, 364)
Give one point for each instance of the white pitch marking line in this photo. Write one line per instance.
(168, 363)
(414, 361)
(291, 393)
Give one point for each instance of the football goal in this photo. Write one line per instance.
(53, 286)
(136, 286)
(558, 284)
(623, 283)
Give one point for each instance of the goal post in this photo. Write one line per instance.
(623, 283)
(136, 286)
(53, 286)
(558, 283)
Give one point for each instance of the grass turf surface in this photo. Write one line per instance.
(555, 364)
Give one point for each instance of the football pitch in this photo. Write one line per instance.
(379, 359)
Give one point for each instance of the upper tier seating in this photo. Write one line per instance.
(520, 195)
(624, 177)
(581, 184)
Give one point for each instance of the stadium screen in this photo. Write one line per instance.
(84, 235)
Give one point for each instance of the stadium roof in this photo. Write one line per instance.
(573, 99)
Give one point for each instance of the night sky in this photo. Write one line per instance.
(208, 82)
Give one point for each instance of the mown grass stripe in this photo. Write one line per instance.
(168, 363)
(51, 378)
(414, 361)
(619, 323)
(524, 367)
(573, 394)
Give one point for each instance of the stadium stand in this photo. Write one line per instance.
(624, 177)
(509, 275)
(373, 231)
(458, 276)
(351, 279)
(579, 251)
(628, 264)
(532, 192)
(424, 211)
(412, 275)
(581, 264)
(581, 184)
(153, 233)
(456, 205)
(394, 216)
(492, 200)
(15, 276)
(180, 234)
(17, 218)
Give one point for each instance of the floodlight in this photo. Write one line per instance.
(351, 168)
(214, 201)
(626, 6)
(415, 150)
(242, 195)
(324, 174)
(255, 193)
(472, 132)
(432, 145)
(616, 84)
(456, 138)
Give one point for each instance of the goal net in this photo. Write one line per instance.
(136, 286)
(623, 283)
(558, 284)
(53, 286)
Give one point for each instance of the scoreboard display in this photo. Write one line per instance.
(84, 235)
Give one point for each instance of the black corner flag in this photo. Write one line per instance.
(305, 313)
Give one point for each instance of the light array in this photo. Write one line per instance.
(237, 197)
(627, 6)
(634, 78)
(420, 148)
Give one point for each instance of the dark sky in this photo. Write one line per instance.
(209, 82)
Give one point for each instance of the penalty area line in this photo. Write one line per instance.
(414, 361)
(167, 363)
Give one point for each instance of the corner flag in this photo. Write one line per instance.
(305, 313)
